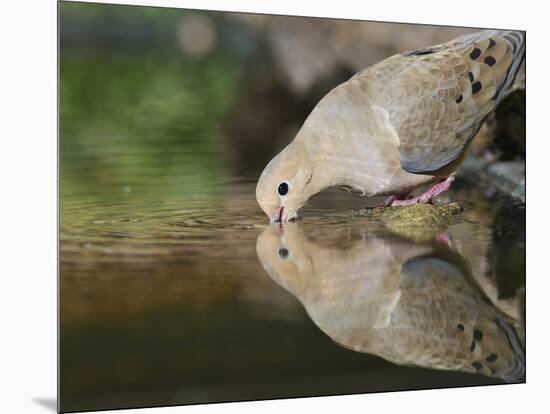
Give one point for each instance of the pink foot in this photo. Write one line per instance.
(425, 197)
(388, 201)
(444, 238)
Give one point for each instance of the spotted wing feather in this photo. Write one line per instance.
(472, 336)
(438, 98)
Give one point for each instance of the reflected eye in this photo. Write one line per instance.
(283, 189)
(283, 253)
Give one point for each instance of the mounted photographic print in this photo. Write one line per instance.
(258, 207)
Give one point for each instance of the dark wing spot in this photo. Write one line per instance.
(478, 335)
(491, 43)
(476, 87)
(473, 346)
(477, 365)
(460, 326)
(471, 76)
(420, 52)
(487, 301)
(491, 358)
(489, 60)
(475, 53)
(458, 100)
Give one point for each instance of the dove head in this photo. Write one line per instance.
(348, 283)
(286, 184)
(286, 255)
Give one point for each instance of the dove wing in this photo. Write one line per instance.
(444, 322)
(437, 98)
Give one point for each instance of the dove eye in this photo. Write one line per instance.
(283, 189)
(283, 253)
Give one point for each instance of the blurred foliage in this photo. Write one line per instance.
(142, 116)
(108, 26)
(141, 121)
(100, 10)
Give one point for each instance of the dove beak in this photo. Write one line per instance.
(278, 218)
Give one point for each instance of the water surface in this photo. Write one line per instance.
(166, 299)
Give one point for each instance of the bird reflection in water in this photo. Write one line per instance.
(409, 303)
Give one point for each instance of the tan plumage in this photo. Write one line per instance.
(408, 303)
(397, 125)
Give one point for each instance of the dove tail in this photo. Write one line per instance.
(517, 43)
(517, 372)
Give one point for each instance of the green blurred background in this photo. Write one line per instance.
(205, 95)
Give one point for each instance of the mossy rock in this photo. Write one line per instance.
(419, 222)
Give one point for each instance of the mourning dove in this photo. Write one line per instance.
(411, 304)
(398, 125)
